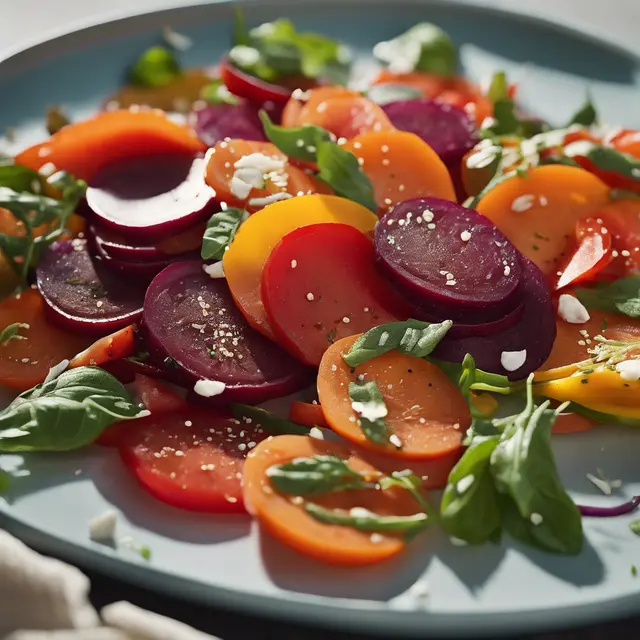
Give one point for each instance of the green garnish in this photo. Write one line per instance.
(619, 296)
(12, 332)
(156, 67)
(368, 403)
(221, 229)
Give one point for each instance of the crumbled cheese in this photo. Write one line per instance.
(47, 169)
(239, 188)
(376, 538)
(629, 370)
(384, 336)
(464, 483)
(316, 433)
(102, 528)
(465, 236)
(294, 264)
(209, 388)
(310, 297)
(522, 203)
(244, 56)
(536, 519)
(56, 370)
(214, 270)
(571, 310)
(370, 410)
(299, 94)
(579, 148)
(395, 441)
(274, 197)
(261, 162)
(513, 360)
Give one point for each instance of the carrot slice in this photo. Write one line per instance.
(290, 180)
(401, 166)
(84, 148)
(112, 347)
(538, 213)
(307, 414)
(297, 106)
(244, 261)
(425, 411)
(25, 363)
(293, 526)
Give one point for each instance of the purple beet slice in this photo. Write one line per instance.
(191, 321)
(147, 199)
(82, 295)
(216, 122)
(534, 333)
(449, 261)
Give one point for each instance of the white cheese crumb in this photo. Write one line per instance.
(316, 433)
(261, 162)
(47, 169)
(346, 320)
(56, 370)
(209, 388)
(376, 538)
(395, 441)
(600, 483)
(299, 94)
(310, 297)
(464, 483)
(571, 310)
(629, 370)
(274, 197)
(513, 360)
(239, 188)
(294, 264)
(522, 203)
(214, 270)
(384, 336)
(536, 519)
(370, 410)
(361, 512)
(465, 236)
(102, 528)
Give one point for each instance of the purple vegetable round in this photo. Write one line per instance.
(148, 199)
(450, 262)
(534, 333)
(81, 295)
(191, 320)
(215, 122)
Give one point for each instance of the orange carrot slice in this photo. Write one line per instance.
(112, 347)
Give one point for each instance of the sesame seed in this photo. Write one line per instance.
(522, 203)
(431, 226)
(401, 187)
(188, 423)
(624, 252)
(242, 446)
(294, 264)
(346, 320)
(507, 270)
(388, 201)
(361, 161)
(384, 148)
(99, 303)
(334, 367)
(179, 453)
(310, 297)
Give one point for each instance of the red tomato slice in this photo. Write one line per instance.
(191, 459)
(593, 252)
(320, 284)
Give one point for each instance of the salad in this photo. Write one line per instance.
(278, 294)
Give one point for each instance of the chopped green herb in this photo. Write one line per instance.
(56, 119)
(368, 403)
(634, 571)
(535, 247)
(12, 332)
(217, 93)
(156, 67)
(145, 552)
(619, 296)
(499, 87)
(635, 527)
(585, 116)
(541, 236)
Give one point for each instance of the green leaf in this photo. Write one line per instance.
(66, 413)
(409, 525)
(5, 482)
(340, 169)
(145, 552)
(411, 483)
(469, 378)
(240, 31)
(424, 47)
(620, 296)
(12, 332)
(314, 476)
(585, 116)
(217, 93)
(635, 527)
(221, 229)
(507, 122)
(295, 142)
(156, 67)
(606, 159)
(19, 178)
(499, 87)
(470, 507)
(392, 92)
(411, 337)
(367, 399)
(269, 422)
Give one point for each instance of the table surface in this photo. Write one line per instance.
(28, 20)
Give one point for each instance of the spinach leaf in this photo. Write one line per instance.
(585, 116)
(156, 67)
(315, 476)
(217, 93)
(412, 337)
(65, 413)
(621, 296)
(12, 332)
(392, 92)
(19, 178)
(424, 47)
(367, 400)
(270, 423)
(295, 142)
(221, 229)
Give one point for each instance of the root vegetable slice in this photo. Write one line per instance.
(215, 122)
(118, 345)
(425, 411)
(307, 414)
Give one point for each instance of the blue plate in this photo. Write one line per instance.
(487, 591)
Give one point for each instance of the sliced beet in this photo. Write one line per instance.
(82, 295)
(216, 122)
(191, 321)
(535, 332)
(450, 261)
(151, 198)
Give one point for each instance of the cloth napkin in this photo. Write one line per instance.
(45, 599)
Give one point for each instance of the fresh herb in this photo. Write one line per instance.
(412, 337)
(145, 552)
(156, 67)
(368, 403)
(296, 142)
(388, 92)
(19, 178)
(270, 423)
(56, 119)
(217, 93)
(65, 413)
(315, 476)
(240, 30)
(499, 176)
(507, 122)
(468, 378)
(585, 116)
(620, 296)
(425, 47)
(12, 332)
(634, 571)
(5, 482)
(221, 229)
(499, 87)
(411, 483)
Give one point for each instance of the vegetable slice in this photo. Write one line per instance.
(413, 390)
(307, 414)
(117, 345)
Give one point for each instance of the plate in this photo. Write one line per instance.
(487, 591)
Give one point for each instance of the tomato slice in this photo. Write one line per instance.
(112, 347)
(593, 252)
(320, 284)
(307, 414)
(191, 459)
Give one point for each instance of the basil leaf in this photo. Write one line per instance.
(221, 229)
(499, 87)
(635, 527)
(621, 296)
(66, 413)
(295, 142)
(585, 116)
(13, 332)
(424, 47)
(217, 93)
(317, 475)
(19, 178)
(367, 397)
(412, 337)
(56, 119)
(388, 92)
(411, 483)
(470, 508)
(340, 169)
(410, 525)
(156, 67)
(269, 422)
(5, 482)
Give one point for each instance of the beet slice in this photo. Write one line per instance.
(192, 321)
(534, 332)
(82, 295)
(151, 198)
(216, 122)
(449, 260)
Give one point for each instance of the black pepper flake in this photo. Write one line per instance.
(409, 370)
(584, 381)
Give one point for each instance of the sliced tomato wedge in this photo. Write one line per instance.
(191, 459)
